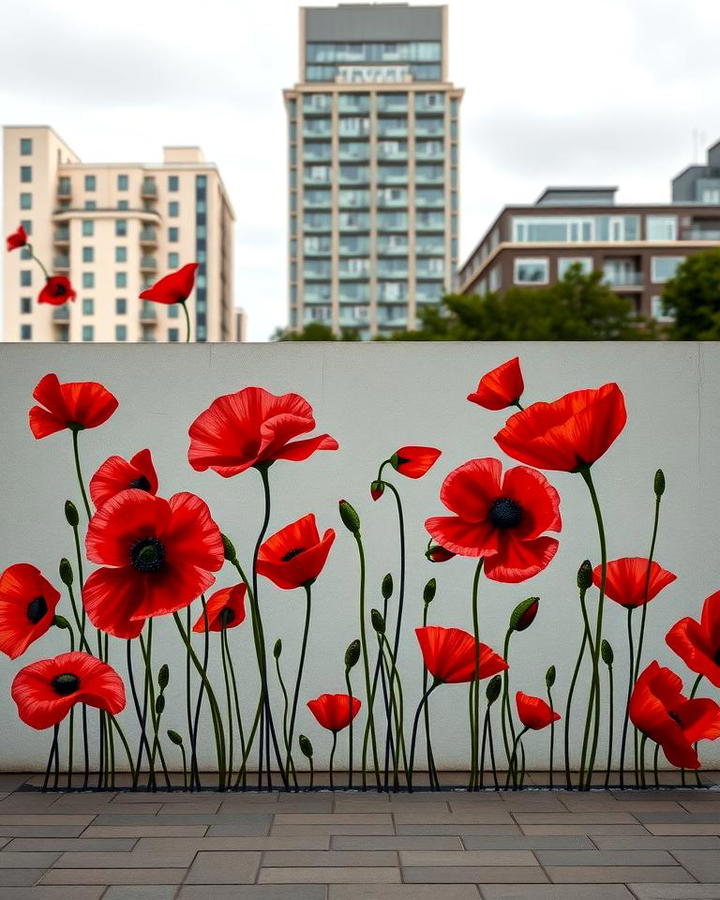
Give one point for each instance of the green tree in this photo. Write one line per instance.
(313, 331)
(693, 298)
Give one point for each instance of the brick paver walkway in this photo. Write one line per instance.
(604, 845)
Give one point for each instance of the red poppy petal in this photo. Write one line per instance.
(299, 450)
(463, 538)
(711, 618)
(539, 500)
(20, 585)
(191, 536)
(43, 423)
(111, 598)
(471, 489)
(520, 560)
(171, 591)
(122, 521)
(689, 640)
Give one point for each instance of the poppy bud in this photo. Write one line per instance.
(377, 489)
(230, 554)
(277, 649)
(71, 514)
(429, 591)
(492, 692)
(163, 677)
(378, 623)
(61, 622)
(306, 748)
(584, 576)
(175, 737)
(437, 554)
(387, 586)
(606, 651)
(352, 655)
(66, 572)
(659, 485)
(524, 614)
(160, 705)
(350, 519)
(550, 677)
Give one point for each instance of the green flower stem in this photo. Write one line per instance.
(238, 716)
(73, 603)
(350, 729)
(194, 768)
(242, 774)
(154, 716)
(655, 765)
(397, 708)
(332, 759)
(491, 745)
(506, 716)
(587, 478)
(379, 671)
(185, 768)
(188, 698)
(366, 668)
(312, 773)
(224, 653)
(187, 321)
(552, 738)
(83, 614)
(413, 739)
(35, 258)
(588, 638)
(642, 760)
(141, 714)
(475, 684)
(214, 708)
(483, 744)
(78, 470)
(513, 760)
(401, 586)
(86, 749)
(121, 734)
(71, 734)
(432, 771)
(289, 764)
(626, 717)
(610, 725)
(51, 757)
(695, 686)
(308, 603)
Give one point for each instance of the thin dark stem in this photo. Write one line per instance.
(568, 779)
(224, 653)
(312, 774)
(86, 748)
(486, 719)
(434, 782)
(188, 697)
(350, 729)
(475, 685)
(506, 716)
(492, 755)
(194, 767)
(552, 737)
(610, 725)
(141, 714)
(83, 615)
(248, 750)
(187, 321)
(78, 470)
(413, 739)
(397, 708)
(71, 734)
(83, 644)
(642, 760)
(289, 765)
(185, 768)
(626, 717)
(301, 666)
(588, 634)
(41, 264)
(655, 765)
(133, 773)
(366, 669)
(51, 757)
(401, 586)
(332, 759)
(513, 760)
(243, 747)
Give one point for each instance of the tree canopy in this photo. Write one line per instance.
(693, 298)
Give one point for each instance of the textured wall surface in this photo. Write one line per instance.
(373, 399)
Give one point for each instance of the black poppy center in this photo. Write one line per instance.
(58, 290)
(141, 483)
(291, 554)
(716, 658)
(65, 684)
(148, 555)
(676, 718)
(36, 609)
(505, 513)
(227, 616)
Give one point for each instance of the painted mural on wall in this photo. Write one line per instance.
(135, 555)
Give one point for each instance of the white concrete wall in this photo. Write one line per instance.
(373, 399)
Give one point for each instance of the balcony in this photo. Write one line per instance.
(702, 234)
(64, 188)
(148, 235)
(61, 313)
(623, 279)
(148, 264)
(61, 262)
(149, 188)
(148, 313)
(61, 235)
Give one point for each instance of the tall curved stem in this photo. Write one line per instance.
(366, 669)
(298, 682)
(475, 684)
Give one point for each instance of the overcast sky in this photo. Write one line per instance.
(556, 92)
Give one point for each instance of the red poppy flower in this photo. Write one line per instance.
(698, 643)
(377, 489)
(56, 291)
(414, 462)
(45, 691)
(17, 239)
(294, 556)
(159, 555)
(225, 609)
(568, 434)
(173, 288)
(27, 607)
(659, 709)
(501, 518)
(450, 655)
(117, 474)
(334, 711)
(438, 554)
(501, 387)
(626, 578)
(250, 428)
(534, 712)
(75, 405)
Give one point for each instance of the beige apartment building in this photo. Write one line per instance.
(113, 229)
(373, 137)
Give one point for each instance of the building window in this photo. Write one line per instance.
(710, 195)
(173, 235)
(121, 279)
(567, 262)
(173, 209)
(25, 146)
(27, 225)
(121, 254)
(661, 228)
(173, 335)
(120, 306)
(90, 185)
(88, 306)
(26, 332)
(90, 204)
(123, 204)
(88, 333)
(663, 268)
(173, 260)
(88, 280)
(531, 271)
(121, 332)
(25, 305)
(121, 228)
(88, 254)
(657, 311)
(25, 174)
(25, 201)
(26, 278)
(173, 182)
(173, 311)
(122, 182)
(88, 228)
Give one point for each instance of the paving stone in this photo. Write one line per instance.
(589, 829)
(141, 892)
(19, 877)
(702, 864)
(657, 842)
(605, 858)
(679, 818)
(334, 828)
(665, 828)
(50, 892)
(113, 876)
(141, 831)
(465, 816)
(38, 860)
(39, 831)
(458, 828)
(305, 858)
(467, 858)
(619, 874)
(676, 891)
(330, 875)
(523, 842)
(474, 874)
(24, 845)
(192, 807)
(403, 892)
(161, 845)
(554, 892)
(127, 809)
(257, 823)
(332, 819)
(224, 868)
(171, 859)
(254, 892)
(8, 821)
(396, 842)
(599, 818)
